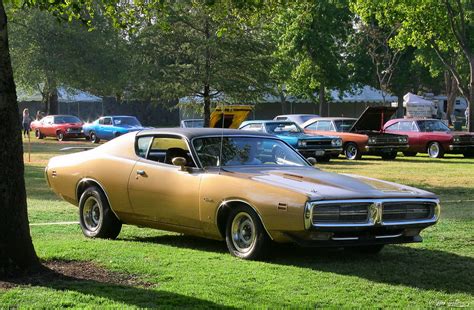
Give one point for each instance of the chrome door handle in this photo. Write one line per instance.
(141, 172)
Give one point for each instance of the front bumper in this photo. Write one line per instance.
(386, 148)
(459, 148)
(320, 152)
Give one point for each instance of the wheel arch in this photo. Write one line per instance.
(85, 183)
(223, 211)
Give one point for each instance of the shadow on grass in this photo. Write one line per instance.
(395, 265)
(126, 294)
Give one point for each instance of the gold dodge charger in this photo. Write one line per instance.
(247, 188)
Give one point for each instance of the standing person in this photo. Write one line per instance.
(26, 121)
(39, 115)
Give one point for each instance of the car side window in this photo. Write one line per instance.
(164, 148)
(313, 126)
(143, 144)
(405, 126)
(393, 127)
(253, 127)
(107, 121)
(101, 121)
(325, 126)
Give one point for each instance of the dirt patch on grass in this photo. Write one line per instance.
(67, 271)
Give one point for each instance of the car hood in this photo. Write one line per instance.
(320, 185)
(300, 135)
(373, 119)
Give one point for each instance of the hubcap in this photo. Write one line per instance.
(434, 150)
(243, 232)
(91, 214)
(351, 151)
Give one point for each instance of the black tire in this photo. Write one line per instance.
(351, 151)
(245, 235)
(366, 249)
(469, 154)
(93, 137)
(38, 134)
(60, 136)
(95, 216)
(409, 154)
(389, 156)
(324, 159)
(435, 150)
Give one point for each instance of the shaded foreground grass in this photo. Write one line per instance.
(193, 272)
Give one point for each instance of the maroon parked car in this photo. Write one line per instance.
(432, 136)
(59, 126)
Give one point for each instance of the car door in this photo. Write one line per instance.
(48, 126)
(160, 191)
(106, 129)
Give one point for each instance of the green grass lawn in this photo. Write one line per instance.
(190, 272)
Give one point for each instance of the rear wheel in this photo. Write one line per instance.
(95, 216)
(351, 151)
(245, 236)
(366, 249)
(389, 156)
(435, 150)
(38, 134)
(93, 137)
(409, 154)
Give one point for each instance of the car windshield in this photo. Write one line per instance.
(245, 151)
(432, 125)
(282, 128)
(344, 125)
(130, 121)
(66, 119)
(195, 123)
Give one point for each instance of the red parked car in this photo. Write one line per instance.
(59, 126)
(431, 136)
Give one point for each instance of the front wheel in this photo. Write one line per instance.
(60, 136)
(95, 216)
(435, 150)
(93, 137)
(351, 151)
(245, 235)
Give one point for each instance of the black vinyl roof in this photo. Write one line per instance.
(191, 133)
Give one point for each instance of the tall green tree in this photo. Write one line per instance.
(444, 26)
(188, 54)
(313, 37)
(48, 53)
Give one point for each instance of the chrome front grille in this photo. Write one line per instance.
(310, 143)
(388, 140)
(466, 139)
(371, 212)
(347, 213)
(403, 211)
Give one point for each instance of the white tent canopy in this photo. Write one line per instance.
(364, 94)
(65, 95)
(417, 106)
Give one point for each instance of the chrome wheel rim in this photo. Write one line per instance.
(91, 214)
(351, 151)
(433, 150)
(93, 137)
(60, 136)
(243, 233)
(37, 133)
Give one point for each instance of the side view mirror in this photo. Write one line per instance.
(311, 160)
(180, 161)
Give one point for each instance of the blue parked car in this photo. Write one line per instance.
(321, 147)
(109, 127)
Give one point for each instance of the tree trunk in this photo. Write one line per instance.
(207, 105)
(451, 93)
(322, 99)
(400, 110)
(470, 125)
(17, 253)
(283, 103)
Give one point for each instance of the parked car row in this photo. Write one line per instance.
(69, 126)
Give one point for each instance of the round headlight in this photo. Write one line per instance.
(402, 140)
(372, 140)
(68, 130)
(301, 143)
(456, 140)
(336, 142)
